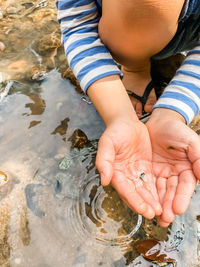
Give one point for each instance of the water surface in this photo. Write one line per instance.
(53, 210)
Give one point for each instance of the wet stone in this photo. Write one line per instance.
(39, 75)
(157, 252)
(78, 139)
(14, 10)
(66, 163)
(48, 44)
(28, 4)
(76, 157)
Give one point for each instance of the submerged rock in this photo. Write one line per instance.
(157, 252)
(48, 44)
(78, 138)
(77, 156)
(75, 166)
(38, 74)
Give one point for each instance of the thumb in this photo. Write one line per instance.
(105, 159)
(194, 154)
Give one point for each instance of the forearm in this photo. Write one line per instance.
(164, 113)
(183, 93)
(111, 100)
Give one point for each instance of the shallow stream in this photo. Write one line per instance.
(53, 210)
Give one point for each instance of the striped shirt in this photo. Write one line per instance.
(90, 60)
(183, 92)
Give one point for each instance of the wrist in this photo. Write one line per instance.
(111, 100)
(165, 113)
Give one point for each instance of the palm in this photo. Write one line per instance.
(175, 164)
(124, 153)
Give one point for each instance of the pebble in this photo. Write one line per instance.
(11, 10)
(1, 15)
(3, 178)
(2, 46)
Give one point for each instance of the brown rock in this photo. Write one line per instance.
(78, 138)
(48, 44)
(156, 251)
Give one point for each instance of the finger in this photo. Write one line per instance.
(196, 168)
(194, 152)
(162, 223)
(150, 184)
(150, 102)
(184, 191)
(138, 109)
(168, 214)
(149, 199)
(145, 185)
(161, 188)
(104, 159)
(128, 193)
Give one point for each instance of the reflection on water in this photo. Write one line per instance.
(104, 216)
(38, 105)
(53, 210)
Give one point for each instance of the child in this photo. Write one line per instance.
(153, 167)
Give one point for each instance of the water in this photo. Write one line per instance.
(53, 210)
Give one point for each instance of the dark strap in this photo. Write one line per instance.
(144, 97)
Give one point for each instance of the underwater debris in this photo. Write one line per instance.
(157, 252)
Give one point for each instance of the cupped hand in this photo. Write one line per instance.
(124, 155)
(176, 162)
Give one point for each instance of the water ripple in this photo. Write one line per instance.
(101, 215)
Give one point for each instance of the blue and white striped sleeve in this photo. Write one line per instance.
(183, 92)
(88, 58)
